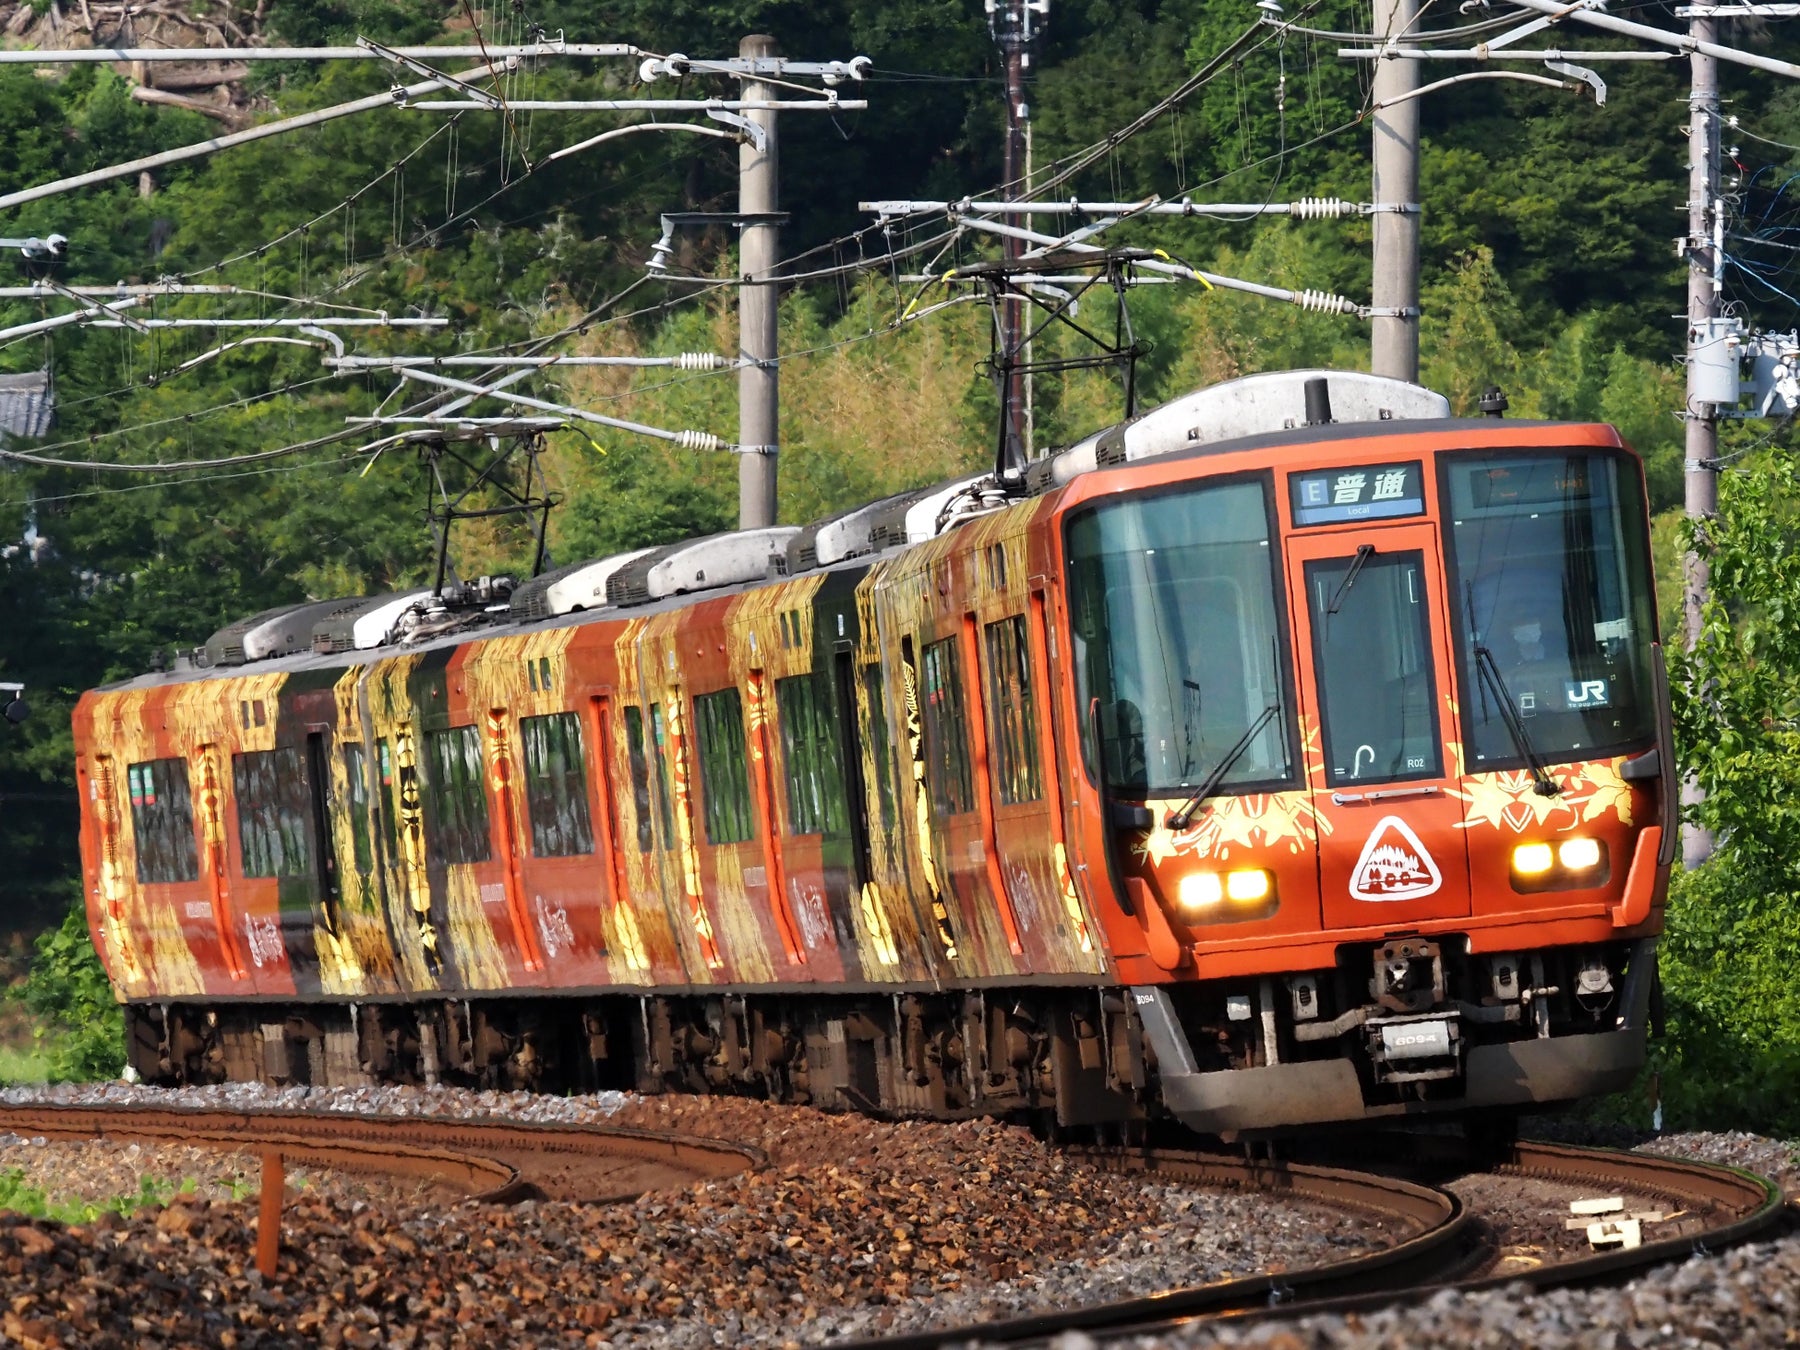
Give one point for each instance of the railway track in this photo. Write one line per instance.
(1446, 1244)
(485, 1159)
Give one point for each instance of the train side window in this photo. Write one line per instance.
(273, 799)
(356, 778)
(162, 821)
(665, 797)
(458, 791)
(556, 786)
(724, 773)
(880, 747)
(815, 779)
(946, 721)
(1012, 733)
(390, 800)
(640, 778)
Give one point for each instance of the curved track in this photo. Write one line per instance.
(1447, 1246)
(486, 1159)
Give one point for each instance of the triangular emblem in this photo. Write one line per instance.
(1394, 865)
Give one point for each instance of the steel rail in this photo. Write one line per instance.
(488, 1158)
(1453, 1254)
(1440, 1238)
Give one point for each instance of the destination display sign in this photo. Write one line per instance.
(1365, 492)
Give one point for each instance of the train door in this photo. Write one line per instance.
(1370, 618)
(850, 755)
(324, 838)
(555, 867)
(612, 834)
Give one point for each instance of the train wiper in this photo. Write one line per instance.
(1509, 714)
(1178, 819)
(1363, 553)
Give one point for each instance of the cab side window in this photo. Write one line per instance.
(162, 821)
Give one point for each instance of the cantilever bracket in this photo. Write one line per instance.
(492, 102)
(754, 132)
(1589, 77)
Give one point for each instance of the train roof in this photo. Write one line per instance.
(1251, 413)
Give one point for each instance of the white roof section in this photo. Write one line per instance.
(923, 515)
(585, 587)
(720, 560)
(1251, 406)
(374, 628)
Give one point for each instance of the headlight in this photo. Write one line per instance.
(1248, 886)
(1578, 855)
(1531, 860)
(1199, 891)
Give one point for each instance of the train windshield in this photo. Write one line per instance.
(1549, 573)
(1175, 628)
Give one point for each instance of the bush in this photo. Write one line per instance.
(1730, 1058)
(79, 1022)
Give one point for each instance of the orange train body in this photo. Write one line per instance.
(913, 830)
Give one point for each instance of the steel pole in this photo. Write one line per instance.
(1394, 331)
(1013, 44)
(1701, 476)
(759, 431)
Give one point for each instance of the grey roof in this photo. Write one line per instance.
(27, 404)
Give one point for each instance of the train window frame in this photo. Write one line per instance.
(456, 788)
(944, 716)
(638, 761)
(1631, 489)
(357, 804)
(813, 770)
(1287, 678)
(1012, 712)
(556, 789)
(162, 821)
(274, 809)
(723, 757)
(1346, 560)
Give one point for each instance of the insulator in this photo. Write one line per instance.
(698, 440)
(1324, 302)
(1320, 208)
(701, 361)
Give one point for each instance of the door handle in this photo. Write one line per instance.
(1387, 795)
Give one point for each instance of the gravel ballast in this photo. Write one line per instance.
(856, 1227)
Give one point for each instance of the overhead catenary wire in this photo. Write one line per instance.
(1065, 169)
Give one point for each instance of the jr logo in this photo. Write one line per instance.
(1585, 693)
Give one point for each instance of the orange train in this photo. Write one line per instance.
(1293, 753)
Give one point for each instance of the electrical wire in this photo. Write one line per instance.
(40, 458)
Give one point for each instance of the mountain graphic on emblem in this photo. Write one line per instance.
(1394, 865)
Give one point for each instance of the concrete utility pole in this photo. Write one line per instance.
(1702, 462)
(1394, 332)
(1014, 25)
(759, 298)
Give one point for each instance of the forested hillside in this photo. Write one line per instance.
(1547, 224)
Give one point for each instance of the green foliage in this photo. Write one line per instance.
(79, 1021)
(1732, 1054)
(1737, 705)
(19, 1197)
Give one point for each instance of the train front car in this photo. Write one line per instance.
(1377, 764)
